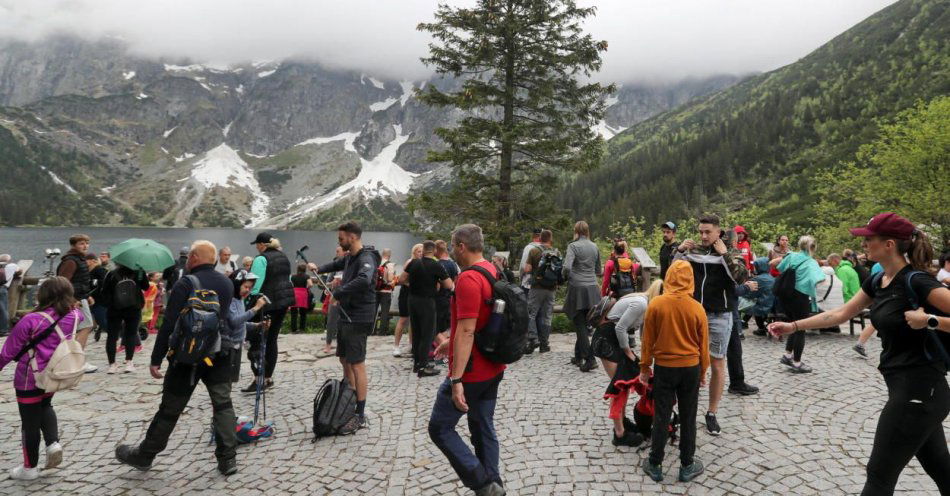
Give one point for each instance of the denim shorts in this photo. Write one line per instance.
(720, 328)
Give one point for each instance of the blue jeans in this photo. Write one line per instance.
(481, 468)
(4, 306)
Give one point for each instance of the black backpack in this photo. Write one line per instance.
(938, 342)
(334, 410)
(784, 287)
(549, 272)
(509, 343)
(126, 294)
(622, 283)
(197, 334)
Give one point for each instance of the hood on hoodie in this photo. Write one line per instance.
(761, 265)
(741, 230)
(679, 279)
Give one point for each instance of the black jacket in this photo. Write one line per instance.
(209, 279)
(173, 273)
(81, 279)
(107, 292)
(666, 257)
(277, 286)
(357, 293)
(716, 276)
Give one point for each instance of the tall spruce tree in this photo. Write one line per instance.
(525, 118)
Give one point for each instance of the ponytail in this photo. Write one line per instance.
(918, 251)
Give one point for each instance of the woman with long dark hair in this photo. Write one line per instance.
(912, 363)
(55, 301)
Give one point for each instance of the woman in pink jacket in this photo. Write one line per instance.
(54, 300)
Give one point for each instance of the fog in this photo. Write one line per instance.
(648, 40)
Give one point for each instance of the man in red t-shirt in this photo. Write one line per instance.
(472, 385)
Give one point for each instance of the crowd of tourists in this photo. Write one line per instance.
(453, 300)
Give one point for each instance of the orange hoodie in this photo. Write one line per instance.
(675, 330)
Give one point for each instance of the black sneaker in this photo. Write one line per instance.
(227, 466)
(544, 348)
(743, 389)
(786, 361)
(492, 489)
(629, 425)
(130, 456)
(251, 388)
(629, 438)
(691, 471)
(654, 471)
(575, 361)
(427, 372)
(760, 332)
(361, 422)
(861, 350)
(801, 368)
(588, 365)
(712, 425)
(268, 383)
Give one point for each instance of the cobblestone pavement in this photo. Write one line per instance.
(804, 434)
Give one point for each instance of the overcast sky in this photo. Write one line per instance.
(648, 39)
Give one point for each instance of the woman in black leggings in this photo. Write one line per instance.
(911, 423)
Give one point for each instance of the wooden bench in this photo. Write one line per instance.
(859, 319)
(648, 268)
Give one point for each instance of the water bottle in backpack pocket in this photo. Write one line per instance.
(505, 337)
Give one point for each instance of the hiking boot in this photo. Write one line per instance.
(129, 455)
(629, 438)
(544, 348)
(54, 455)
(654, 471)
(492, 489)
(743, 389)
(251, 388)
(801, 368)
(785, 360)
(861, 350)
(712, 425)
(589, 365)
(691, 471)
(227, 466)
(23, 473)
(529, 348)
(427, 372)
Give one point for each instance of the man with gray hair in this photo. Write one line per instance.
(8, 272)
(472, 385)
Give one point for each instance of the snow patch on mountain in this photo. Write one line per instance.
(141, 96)
(222, 166)
(375, 82)
(169, 132)
(184, 157)
(59, 181)
(227, 129)
(383, 105)
(264, 74)
(606, 130)
(347, 137)
(406, 92)
(128, 75)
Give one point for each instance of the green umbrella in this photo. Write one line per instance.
(142, 254)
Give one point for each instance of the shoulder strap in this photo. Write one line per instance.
(830, 285)
(40, 337)
(483, 271)
(194, 281)
(909, 290)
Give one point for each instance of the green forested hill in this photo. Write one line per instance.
(762, 144)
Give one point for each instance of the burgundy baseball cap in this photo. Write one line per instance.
(887, 224)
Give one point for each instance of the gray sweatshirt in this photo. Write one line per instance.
(628, 315)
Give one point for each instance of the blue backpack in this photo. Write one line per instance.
(937, 342)
(197, 334)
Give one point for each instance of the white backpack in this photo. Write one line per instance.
(65, 368)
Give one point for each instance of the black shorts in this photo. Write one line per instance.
(404, 301)
(604, 343)
(351, 341)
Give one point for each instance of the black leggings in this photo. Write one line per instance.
(125, 322)
(422, 320)
(37, 416)
(254, 350)
(582, 344)
(911, 425)
(295, 313)
(796, 308)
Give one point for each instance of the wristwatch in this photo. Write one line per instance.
(455, 381)
(932, 322)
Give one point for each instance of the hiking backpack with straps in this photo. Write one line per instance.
(623, 279)
(383, 283)
(126, 293)
(506, 344)
(938, 341)
(197, 334)
(549, 273)
(66, 366)
(334, 410)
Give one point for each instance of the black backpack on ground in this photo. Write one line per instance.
(509, 343)
(334, 410)
(549, 272)
(126, 294)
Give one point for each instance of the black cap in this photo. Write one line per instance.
(536, 231)
(669, 225)
(262, 238)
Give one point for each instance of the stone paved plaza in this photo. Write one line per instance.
(804, 434)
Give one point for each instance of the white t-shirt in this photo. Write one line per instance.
(525, 283)
(943, 275)
(225, 268)
(10, 269)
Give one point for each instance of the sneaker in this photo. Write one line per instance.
(629, 425)
(544, 348)
(691, 471)
(113, 368)
(54, 455)
(268, 383)
(786, 361)
(629, 438)
(89, 368)
(427, 372)
(575, 361)
(251, 388)
(760, 332)
(861, 350)
(712, 425)
(362, 423)
(130, 456)
(98, 333)
(801, 368)
(654, 471)
(492, 489)
(743, 389)
(129, 367)
(588, 365)
(23, 473)
(397, 352)
(227, 466)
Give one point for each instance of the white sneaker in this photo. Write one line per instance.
(23, 473)
(129, 367)
(54, 455)
(89, 368)
(113, 368)
(397, 352)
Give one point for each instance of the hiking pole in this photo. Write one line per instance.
(260, 368)
(301, 256)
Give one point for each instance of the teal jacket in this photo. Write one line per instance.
(807, 274)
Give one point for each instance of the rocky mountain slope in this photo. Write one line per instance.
(279, 143)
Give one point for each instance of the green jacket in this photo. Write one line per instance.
(850, 283)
